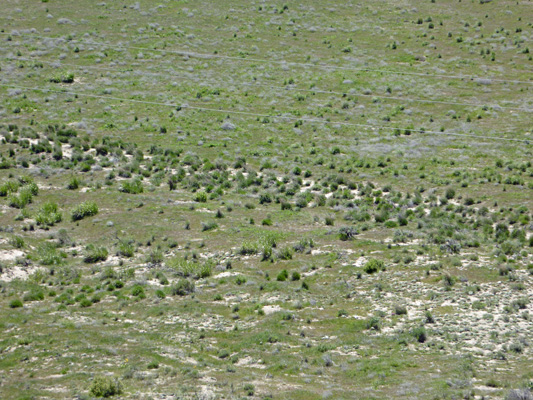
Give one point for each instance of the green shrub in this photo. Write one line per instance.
(248, 248)
(138, 291)
(17, 242)
(83, 210)
(24, 197)
(400, 309)
(95, 254)
(126, 248)
(74, 183)
(36, 295)
(249, 389)
(15, 303)
(283, 275)
(448, 280)
(159, 293)
(201, 197)
(450, 194)
(182, 288)
(48, 254)
(207, 226)
(64, 77)
(103, 386)
(347, 233)
(419, 334)
(132, 187)
(192, 269)
(373, 266)
(285, 253)
(48, 215)
(9, 187)
(373, 323)
(84, 303)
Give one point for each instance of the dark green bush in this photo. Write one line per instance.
(373, 266)
(283, 275)
(419, 334)
(15, 303)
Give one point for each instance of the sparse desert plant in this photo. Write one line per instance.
(182, 288)
(132, 187)
(448, 280)
(208, 226)
(17, 242)
(282, 276)
(48, 215)
(154, 257)
(373, 265)
(126, 248)
(400, 309)
(419, 333)
(138, 291)
(103, 386)
(83, 210)
(285, 253)
(9, 187)
(74, 183)
(348, 233)
(63, 77)
(519, 394)
(15, 303)
(33, 295)
(95, 254)
(374, 323)
(47, 254)
(200, 197)
(23, 198)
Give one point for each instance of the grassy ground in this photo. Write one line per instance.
(303, 200)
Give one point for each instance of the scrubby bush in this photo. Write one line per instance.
(519, 394)
(95, 254)
(48, 254)
(83, 210)
(17, 242)
(8, 187)
(103, 386)
(419, 333)
(33, 295)
(285, 253)
(373, 323)
(400, 309)
(182, 288)
(132, 187)
(155, 257)
(126, 248)
(48, 215)
(283, 275)
(348, 233)
(201, 197)
(74, 183)
(15, 303)
(138, 291)
(64, 77)
(207, 226)
(373, 266)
